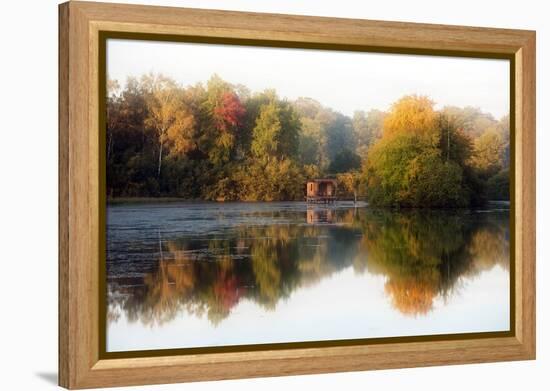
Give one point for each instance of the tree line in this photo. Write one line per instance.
(220, 141)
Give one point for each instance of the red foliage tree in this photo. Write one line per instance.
(227, 292)
(229, 112)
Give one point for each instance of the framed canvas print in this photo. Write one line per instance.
(251, 194)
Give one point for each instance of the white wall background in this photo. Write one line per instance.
(28, 196)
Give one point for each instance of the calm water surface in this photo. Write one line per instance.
(208, 274)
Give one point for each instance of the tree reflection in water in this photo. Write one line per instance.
(423, 254)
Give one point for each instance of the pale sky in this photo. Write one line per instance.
(300, 317)
(343, 81)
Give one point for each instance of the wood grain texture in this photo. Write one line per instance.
(292, 28)
(79, 251)
(526, 195)
(63, 199)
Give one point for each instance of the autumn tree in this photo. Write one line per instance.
(489, 152)
(229, 112)
(406, 168)
(168, 116)
(130, 154)
(113, 112)
(414, 116)
(482, 146)
(225, 113)
(350, 182)
(504, 129)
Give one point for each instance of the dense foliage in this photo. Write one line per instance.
(437, 159)
(218, 141)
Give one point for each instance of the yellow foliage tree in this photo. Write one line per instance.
(349, 181)
(413, 115)
(489, 151)
(168, 115)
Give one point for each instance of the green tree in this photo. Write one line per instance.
(339, 134)
(405, 167)
(343, 161)
(277, 130)
(432, 181)
(455, 144)
(130, 144)
(313, 137)
(266, 133)
(367, 128)
(498, 186)
(470, 119)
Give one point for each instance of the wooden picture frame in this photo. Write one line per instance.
(81, 364)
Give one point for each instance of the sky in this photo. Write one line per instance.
(343, 81)
(341, 315)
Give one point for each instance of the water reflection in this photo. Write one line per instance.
(421, 255)
(316, 215)
(424, 254)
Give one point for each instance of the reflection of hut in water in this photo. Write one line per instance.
(315, 216)
(321, 191)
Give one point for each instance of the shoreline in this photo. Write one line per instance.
(152, 200)
(145, 200)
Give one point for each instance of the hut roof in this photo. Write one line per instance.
(322, 180)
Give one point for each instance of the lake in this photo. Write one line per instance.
(183, 275)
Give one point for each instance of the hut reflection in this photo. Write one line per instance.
(320, 215)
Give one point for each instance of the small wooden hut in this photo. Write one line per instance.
(321, 191)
